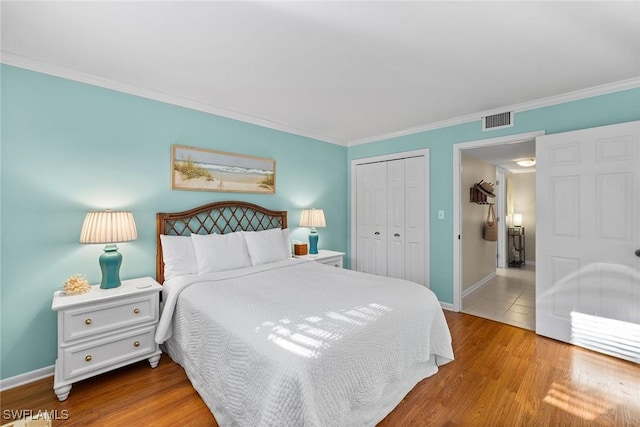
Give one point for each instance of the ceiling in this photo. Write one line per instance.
(341, 72)
(506, 155)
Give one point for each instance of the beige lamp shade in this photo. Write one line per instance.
(517, 220)
(312, 218)
(108, 227)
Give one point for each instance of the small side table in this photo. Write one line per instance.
(105, 329)
(325, 257)
(516, 246)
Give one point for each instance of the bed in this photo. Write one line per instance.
(271, 340)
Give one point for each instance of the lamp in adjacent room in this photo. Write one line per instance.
(109, 227)
(313, 218)
(517, 220)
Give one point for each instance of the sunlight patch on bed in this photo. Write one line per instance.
(321, 333)
(337, 316)
(380, 307)
(293, 347)
(281, 330)
(307, 340)
(369, 313)
(359, 314)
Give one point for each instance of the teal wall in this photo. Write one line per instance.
(69, 147)
(602, 110)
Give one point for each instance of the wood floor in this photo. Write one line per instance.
(502, 376)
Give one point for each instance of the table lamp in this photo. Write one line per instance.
(313, 218)
(109, 227)
(517, 220)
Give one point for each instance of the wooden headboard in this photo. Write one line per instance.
(217, 217)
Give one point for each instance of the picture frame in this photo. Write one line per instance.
(201, 169)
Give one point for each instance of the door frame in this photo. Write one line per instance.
(501, 213)
(385, 158)
(457, 201)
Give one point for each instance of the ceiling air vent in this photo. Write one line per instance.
(497, 121)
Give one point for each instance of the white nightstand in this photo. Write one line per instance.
(105, 329)
(325, 257)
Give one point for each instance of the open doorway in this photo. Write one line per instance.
(496, 280)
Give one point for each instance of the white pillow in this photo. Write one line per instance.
(268, 246)
(178, 255)
(287, 244)
(219, 252)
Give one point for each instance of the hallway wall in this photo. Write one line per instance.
(478, 255)
(521, 198)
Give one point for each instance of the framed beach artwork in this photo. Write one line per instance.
(209, 170)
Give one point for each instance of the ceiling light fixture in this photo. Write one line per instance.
(526, 163)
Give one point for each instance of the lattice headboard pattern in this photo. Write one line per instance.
(217, 217)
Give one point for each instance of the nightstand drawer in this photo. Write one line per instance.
(99, 354)
(335, 261)
(325, 256)
(104, 329)
(100, 318)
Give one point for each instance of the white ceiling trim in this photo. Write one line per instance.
(66, 73)
(45, 68)
(530, 105)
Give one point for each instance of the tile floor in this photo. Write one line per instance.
(508, 298)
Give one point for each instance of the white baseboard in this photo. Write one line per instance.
(446, 306)
(478, 284)
(26, 378)
(529, 262)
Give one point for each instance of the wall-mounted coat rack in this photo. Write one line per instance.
(480, 193)
(477, 196)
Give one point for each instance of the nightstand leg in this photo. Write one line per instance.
(153, 361)
(62, 392)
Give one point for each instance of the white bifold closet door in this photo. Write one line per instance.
(391, 218)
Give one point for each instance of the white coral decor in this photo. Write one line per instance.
(76, 284)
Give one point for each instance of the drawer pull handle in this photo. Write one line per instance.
(396, 235)
(136, 310)
(136, 344)
(88, 358)
(88, 321)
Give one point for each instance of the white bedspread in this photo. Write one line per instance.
(299, 343)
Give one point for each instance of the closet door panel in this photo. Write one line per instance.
(396, 218)
(391, 213)
(415, 220)
(371, 217)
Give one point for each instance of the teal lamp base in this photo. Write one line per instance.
(110, 262)
(313, 242)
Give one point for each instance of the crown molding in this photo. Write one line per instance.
(516, 108)
(66, 73)
(69, 74)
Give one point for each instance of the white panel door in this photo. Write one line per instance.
(396, 219)
(588, 229)
(371, 218)
(416, 215)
